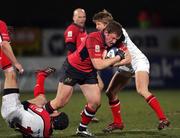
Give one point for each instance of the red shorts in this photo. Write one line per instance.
(4, 61)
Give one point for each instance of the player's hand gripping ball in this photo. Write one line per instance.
(112, 52)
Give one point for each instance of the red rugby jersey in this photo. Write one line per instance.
(75, 34)
(92, 47)
(4, 36)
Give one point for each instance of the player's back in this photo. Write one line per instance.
(133, 49)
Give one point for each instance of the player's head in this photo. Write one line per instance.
(101, 19)
(79, 17)
(112, 33)
(60, 122)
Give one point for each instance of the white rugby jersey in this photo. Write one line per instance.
(27, 117)
(138, 58)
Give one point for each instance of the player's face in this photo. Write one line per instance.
(80, 18)
(100, 26)
(110, 38)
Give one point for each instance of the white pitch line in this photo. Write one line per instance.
(153, 129)
(132, 130)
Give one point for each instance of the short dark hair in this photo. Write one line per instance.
(103, 16)
(61, 121)
(114, 27)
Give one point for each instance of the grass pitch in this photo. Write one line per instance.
(139, 119)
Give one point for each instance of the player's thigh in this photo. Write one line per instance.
(64, 92)
(142, 81)
(100, 82)
(117, 82)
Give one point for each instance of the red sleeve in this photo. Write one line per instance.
(122, 47)
(94, 47)
(71, 34)
(4, 31)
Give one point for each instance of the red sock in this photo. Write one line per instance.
(153, 102)
(87, 115)
(39, 87)
(115, 109)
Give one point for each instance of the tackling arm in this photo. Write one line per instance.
(125, 61)
(100, 63)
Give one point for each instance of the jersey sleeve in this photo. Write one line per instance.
(70, 35)
(4, 32)
(93, 47)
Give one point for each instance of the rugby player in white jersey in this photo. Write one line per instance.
(139, 69)
(29, 117)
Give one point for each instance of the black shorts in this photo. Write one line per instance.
(71, 76)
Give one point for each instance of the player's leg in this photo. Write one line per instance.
(39, 90)
(101, 86)
(100, 82)
(10, 78)
(40, 79)
(64, 93)
(65, 88)
(117, 83)
(9, 72)
(142, 82)
(93, 96)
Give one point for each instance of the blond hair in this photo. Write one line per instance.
(103, 16)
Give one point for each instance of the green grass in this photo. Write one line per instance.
(140, 121)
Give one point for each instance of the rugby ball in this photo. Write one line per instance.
(111, 52)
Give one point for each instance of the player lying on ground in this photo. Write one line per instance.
(29, 117)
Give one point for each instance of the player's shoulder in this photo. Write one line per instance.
(95, 34)
(124, 32)
(73, 26)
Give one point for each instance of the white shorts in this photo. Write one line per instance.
(141, 64)
(13, 111)
(11, 105)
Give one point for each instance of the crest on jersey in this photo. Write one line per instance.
(67, 80)
(69, 34)
(97, 48)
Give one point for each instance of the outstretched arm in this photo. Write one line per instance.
(6, 47)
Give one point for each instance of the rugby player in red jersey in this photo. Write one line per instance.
(7, 58)
(75, 34)
(76, 31)
(81, 68)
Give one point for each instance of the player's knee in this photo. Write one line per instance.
(139, 90)
(94, 105)
(142, 92)
(110, 96)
